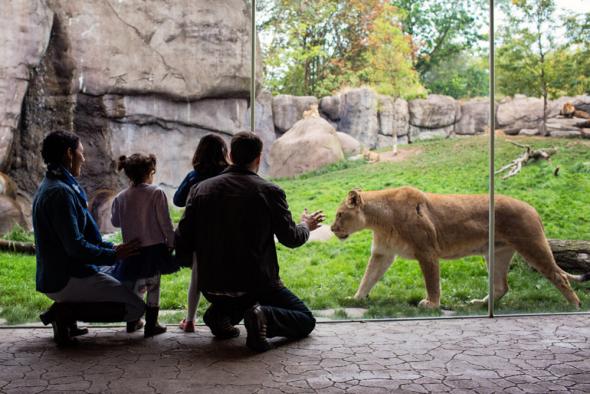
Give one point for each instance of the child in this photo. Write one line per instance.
(210, 159)
(141, 211)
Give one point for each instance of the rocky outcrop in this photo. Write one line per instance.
(433, 117)
(350, 146)
(475, 117)
(11, 213)
(287, 110)
(311, 143)
(519, 113)
(24, 28)
(127, 77)
(358, 116)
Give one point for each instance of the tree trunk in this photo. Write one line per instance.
(19, 247)
(572, 256)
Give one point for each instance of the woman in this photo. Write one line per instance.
(209, 160)
(69, 246)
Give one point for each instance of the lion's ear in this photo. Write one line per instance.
(354, 199)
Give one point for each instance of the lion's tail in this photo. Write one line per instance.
(579, 278)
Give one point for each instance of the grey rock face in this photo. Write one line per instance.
(520, 113)
(287, 110)
(24, 34)
(475, 117)
(350, 146)
(264, 126)
(386, 115)
(132, 76)
(434, 112)
(358, 116)
(330, 107)
(401, 117)
(309, 145)
(183, 49)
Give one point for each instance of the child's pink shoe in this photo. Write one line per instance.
(187, 326)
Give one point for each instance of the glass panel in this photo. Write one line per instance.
(404, 86)
(542, 160)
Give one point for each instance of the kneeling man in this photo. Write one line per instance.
(230, 221)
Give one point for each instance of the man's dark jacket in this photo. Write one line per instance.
(231, 220)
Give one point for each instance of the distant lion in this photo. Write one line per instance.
(312, 112)
(428, 227)
(570, 111)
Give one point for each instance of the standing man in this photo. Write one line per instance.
(231, 221)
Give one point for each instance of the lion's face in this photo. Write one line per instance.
(349, 216)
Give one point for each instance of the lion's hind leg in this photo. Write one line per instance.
(503, 256)
(431, 272)
(538, 254)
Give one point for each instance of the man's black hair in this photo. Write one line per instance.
(56, 144)
(245, 147)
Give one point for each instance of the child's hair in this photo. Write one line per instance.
(137, 167)
(210, 158)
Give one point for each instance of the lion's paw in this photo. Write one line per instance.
(427, 304)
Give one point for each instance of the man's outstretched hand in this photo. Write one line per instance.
(313, 221)
(127, 249)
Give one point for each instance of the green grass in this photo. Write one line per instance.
(326, 275)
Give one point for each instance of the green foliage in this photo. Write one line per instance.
(19, 234)
(461, 76)
(327, 274)
(317, 48)
(441, 29)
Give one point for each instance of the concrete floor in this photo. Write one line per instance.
(513, 355)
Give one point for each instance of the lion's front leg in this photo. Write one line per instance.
(379, 262)
(431, 271)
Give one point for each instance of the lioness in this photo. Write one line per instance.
(427, 227)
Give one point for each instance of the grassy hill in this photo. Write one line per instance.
(326, 275)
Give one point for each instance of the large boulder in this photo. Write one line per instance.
(386, 115)
(11, 213)
(24, 34)
(432, 117)
(434, 112)
(311, 143)
(401, 117)
(350, 146)
(287, 110)
(519, 113)
(358, 115)
(330, 107)
(475, 117)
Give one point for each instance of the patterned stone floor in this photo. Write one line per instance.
(513, 355)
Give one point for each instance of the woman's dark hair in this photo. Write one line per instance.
(56, 144)
(245, 147)
(137, 167)
(210, 157)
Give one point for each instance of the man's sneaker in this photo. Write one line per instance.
(255, 323)
(187, 326)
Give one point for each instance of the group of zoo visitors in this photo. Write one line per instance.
(226, 235)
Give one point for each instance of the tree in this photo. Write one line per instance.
(523, 56)
(463, 75)
(317, 47)
(441, 29)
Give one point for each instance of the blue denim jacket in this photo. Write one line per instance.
(65, 238)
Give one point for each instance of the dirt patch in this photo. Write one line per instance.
(401, 155)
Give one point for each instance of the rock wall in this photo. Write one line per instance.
(134, 76)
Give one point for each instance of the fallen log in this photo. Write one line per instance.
(572, 256)
(529, 154)
(15, 246)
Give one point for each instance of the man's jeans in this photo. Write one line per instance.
(286, 315)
